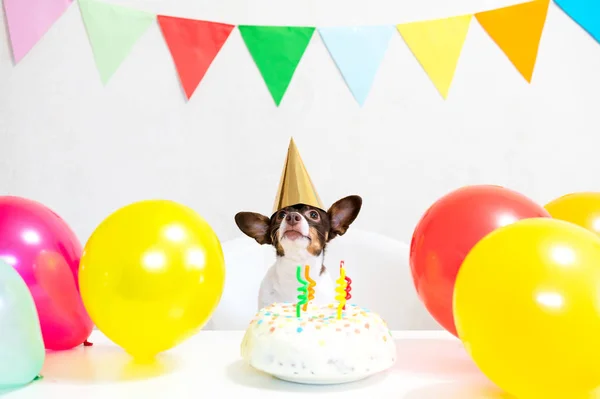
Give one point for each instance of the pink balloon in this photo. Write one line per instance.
(45, 252)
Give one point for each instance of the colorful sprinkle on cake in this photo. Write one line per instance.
(318, 344)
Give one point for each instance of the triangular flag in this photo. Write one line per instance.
(517, 31)
(437, 45)
(194, 45)
(276, 50)
(585, 12)
(112, 30)
(29, 20)
(357, 52)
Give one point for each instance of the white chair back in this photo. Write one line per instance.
(378, 266)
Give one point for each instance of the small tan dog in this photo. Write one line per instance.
(299, 230)
(299, 233)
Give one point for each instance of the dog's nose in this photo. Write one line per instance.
(293, 218)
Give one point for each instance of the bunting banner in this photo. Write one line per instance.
(29, 20)
(357, 52)
(276, 51)
(113, 30)
(193, 45)
(437, 45)
(517, 30)
(585, 13)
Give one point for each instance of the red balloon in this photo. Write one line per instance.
(45, 253)
(447, 232)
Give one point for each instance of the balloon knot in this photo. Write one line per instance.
(38, 377)
(87, 343)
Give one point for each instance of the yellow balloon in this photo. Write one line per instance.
(151, 275)
(527, 308)
(582, 209)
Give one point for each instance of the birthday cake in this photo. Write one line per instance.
(320, 346)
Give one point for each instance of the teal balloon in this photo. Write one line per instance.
(22, 350)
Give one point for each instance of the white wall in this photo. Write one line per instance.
(85, 149)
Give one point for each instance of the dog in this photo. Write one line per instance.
(299, 234)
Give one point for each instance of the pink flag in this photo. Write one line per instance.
(29, 20)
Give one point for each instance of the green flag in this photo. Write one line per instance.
(276, 50)
(112, 30)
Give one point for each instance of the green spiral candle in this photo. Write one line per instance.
(303, 290)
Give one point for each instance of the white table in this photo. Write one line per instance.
(430, 365)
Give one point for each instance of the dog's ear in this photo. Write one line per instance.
(254, 225)
(342, 214)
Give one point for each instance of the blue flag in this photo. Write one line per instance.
(585, 12)
(358, 52)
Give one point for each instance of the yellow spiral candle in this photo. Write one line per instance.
(311, 285)
(341, 292)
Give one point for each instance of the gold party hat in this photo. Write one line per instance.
(295, 186)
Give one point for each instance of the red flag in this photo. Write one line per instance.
(194, 45)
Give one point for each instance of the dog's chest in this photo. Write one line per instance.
(283, 287)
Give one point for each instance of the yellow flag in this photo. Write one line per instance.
(437, 45)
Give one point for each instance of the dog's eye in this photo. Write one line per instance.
(281, 215)
(314, 215)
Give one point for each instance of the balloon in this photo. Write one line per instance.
(448, 231)
(583, 209)
(45, 252)
(526, 307)
(21, 344)
(151, 275)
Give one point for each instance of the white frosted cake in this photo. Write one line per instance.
(317, 347)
